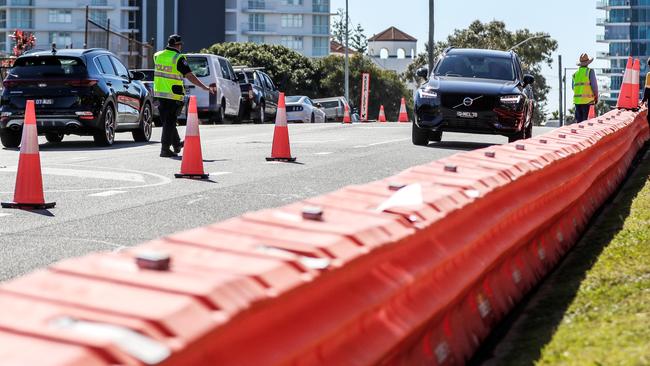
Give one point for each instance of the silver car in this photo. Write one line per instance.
(334, 107)
(300, 108)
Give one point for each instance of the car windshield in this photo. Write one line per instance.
(332, 104)
(199, 66)
(48, 66)
(293, 99)
(476, 66)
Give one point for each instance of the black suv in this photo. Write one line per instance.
(474, 91)
(259, 94)
(86, 92)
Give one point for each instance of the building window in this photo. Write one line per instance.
(256, 39)
(3, 19)
(321, 46)
(383, 53)
(256, 23)
(256, 4)
(291, 2)
(321, 24)
(20, 18)
(133, 20)
(99, 16)
(22, 2)
(3, 41)
(291, 20)
(60, 16)
(293, 42)
(321, 6)
(62, 39)
(99, 3)
(97, 39)
(401, 54)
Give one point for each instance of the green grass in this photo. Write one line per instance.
(595, 310)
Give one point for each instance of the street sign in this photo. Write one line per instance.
(365, 96)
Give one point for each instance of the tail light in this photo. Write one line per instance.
(85, 115)
(83, 82)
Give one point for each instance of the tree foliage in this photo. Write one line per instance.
(324, 77)
(495, 36)
(294, 73)
(356, 34)
(23, 42)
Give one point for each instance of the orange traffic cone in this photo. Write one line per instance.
(382, 114)
(28, 193)
(592, 112)
(346, 115)
(403, 116)
(281, 150)
(629, 94)
(192, 164)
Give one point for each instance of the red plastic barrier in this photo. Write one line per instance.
(415, 269)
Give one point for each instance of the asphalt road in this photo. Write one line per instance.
(120, 196)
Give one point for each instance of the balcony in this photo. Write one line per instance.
(257, 28)
(321, 29)
(613, 4)
(276, 6)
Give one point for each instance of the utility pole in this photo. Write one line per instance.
(86, 30)
(561, 107)
(431, 38)
(347, 57)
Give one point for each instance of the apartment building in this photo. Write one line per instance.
(302, 25)
(64, 22)
(627, 33)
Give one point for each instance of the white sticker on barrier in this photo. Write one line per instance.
(410, 195)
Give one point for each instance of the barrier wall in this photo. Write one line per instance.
(365, 275)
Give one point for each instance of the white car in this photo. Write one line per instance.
(301, 109)
(334, 107)
(214, 70)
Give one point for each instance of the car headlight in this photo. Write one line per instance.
(511, 99)
(427, 92)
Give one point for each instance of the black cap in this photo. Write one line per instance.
(174, 39)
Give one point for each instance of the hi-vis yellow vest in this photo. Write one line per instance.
(582, 92)
(166, 75)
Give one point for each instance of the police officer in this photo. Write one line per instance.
(585, 88)
(171, 68)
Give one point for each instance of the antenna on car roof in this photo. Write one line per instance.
(53, 48)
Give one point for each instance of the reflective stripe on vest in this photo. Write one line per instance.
(582, 91)
(167, 76)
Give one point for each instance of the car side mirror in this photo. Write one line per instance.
(136, 75)
(422, 72)
(529, 79)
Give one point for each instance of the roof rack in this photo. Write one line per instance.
(448, 49)
(244, 67)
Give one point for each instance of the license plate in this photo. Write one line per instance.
(44, 101)
(467, 114)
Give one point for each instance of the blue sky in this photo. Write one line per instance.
(571, 22)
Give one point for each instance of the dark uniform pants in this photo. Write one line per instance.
(169, 110)
(582, 112)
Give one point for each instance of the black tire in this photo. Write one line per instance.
(106, 136)
(143, 133)
(520, 135)
(529, 131)
(313, 118)
(239, 118)
(10, 139)
(261, 114)
(220, 115)
(54, 137)
(419, 136)
(435, 136)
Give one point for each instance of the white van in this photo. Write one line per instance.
(214, 70)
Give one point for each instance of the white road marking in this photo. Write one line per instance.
(4, 214)
(106, 194)
(78, 173)
(324, 153)
(191, 202)
(316, 141)
(219, 173)
(380, 143)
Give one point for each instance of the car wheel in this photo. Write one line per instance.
(220, 114)
(520, 135)
(54, 137)
(529, 131)
(419, 136)
(143, 133)
(313, 119)
(261, 115)
(106, 136)
(10, 139)
(240, 114)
